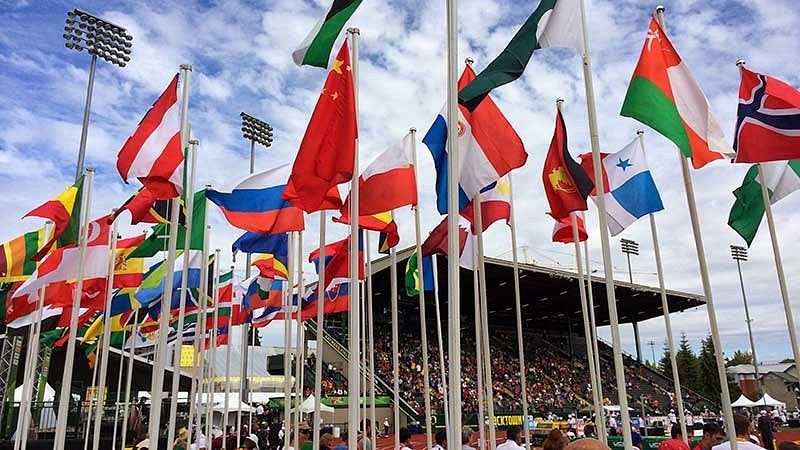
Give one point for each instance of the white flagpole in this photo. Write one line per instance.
(255, 331)
(128, 379)
(487, 364)
(601, 430)
(371, 346)
(454, 300)
(725, 395)
(585, 310)
(320, 328)
(363, 337)
(104, 350)
(395, 351)
(608, 268)
(667, 321)
(191, 154)
(69, 360)
(422, 309)
(441, 345)
(518, 303)
(482, 443)
(119, 390)
(160, 361)
(198, 357)
(227, 375)
(214, 338)
(369, 390)
(353, 316)
(91, 402)
(287, 343)
(299, 354)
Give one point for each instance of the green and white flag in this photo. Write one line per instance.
(554, 23)
(783, 178)
(315, 50)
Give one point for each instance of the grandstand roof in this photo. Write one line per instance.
(550, 297)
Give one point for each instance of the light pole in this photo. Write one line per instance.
(739, 254)
(629, 248)
(257, 132)
(652, 345)
(100, 38)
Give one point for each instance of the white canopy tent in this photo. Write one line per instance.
(49, 394)
(307, 406)
(767, 400)
(743, 402)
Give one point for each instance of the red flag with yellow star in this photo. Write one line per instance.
(565, 182)
(325, 158)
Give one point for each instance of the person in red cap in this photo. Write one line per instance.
(676, 442)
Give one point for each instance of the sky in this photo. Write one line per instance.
(241, 57)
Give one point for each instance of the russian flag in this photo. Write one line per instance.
(488, 148)
(256, 204)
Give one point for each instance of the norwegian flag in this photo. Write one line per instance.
(153, 153)
(768, 124)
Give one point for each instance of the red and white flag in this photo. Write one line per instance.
(495, 205)
(153, 153)
(437, 242)
(562, 230)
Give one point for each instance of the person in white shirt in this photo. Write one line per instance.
(466, 438)
(513, 439)
(441, 440)
(200, 442)
(672, 419)
(742, 426)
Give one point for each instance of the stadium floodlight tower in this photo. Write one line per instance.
(739, 254)
(629, 248)
(101, 39)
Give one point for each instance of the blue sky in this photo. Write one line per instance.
(241, 54)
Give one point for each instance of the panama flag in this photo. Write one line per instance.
(630, 190)
(664, 95)
(488, 148)
(153, 153)
(255, 203)
(768, 124)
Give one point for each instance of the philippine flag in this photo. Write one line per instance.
(488, 148)
(256, 204)
(631, 191)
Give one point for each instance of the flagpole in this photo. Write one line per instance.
(298, 359)
(98, 416)
(91, 402)
(363, 336)
(725, 395)
(119, 390)
(667, 321)
(214, 343)
(608, 268)
(128, 380)
(198, 357)
(191, 154)
(454, 301)
(353, 316)
(479, 357)
(227, 373)
(321, 287)
(395, 351)
(601, 430)
(287, 333)
(369, 345)
(254, 331)
(439, 340)
(160, 361)
(69, 359)
(485, 323)
(518, 304)
(585, 311)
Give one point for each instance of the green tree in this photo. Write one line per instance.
(687, 363)
(663, 364)
(739, 357)
(707, 375)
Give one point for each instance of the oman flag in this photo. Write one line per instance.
(663, 95)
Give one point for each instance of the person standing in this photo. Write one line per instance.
(513, 439)
(712, 435)
(742, 426)
(405, 438)
(466, 438)
(441, 440)
(386, 426)
(766, 428)
(676, 442)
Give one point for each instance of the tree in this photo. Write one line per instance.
(787, 361)
(687, 363)
(739, 357)
(254, 331)
(707, 374)
(664, 363)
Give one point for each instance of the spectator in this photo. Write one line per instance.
(365, 443)
(741, 425)
(386, 426)
(513, 439)
(251, 442)
(712, 435)
(405, 439)
(466, 438)
(767, 429)
(676, 442)
(325, 441)
(555, 441)
(441, 440)
(342, 445)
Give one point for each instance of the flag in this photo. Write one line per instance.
(383, 243)
(255, 203)
(630, 190)
(145, 207)
(565, 182)
(412, 274)
(153, 153)
(157, 241)
(315, 50)
(663, 95)
(326, 154)
(262, 293)
(437, 242)
(16, 256)
(337, 261)
(783, 178)
(150, 293)
(495, 205)
(65, 213)
(124, 301)
(554, 23)
(276, 244)
(768, 122)
(224, 300)
(562, 229)
(380, 222)
(128, 272)
(337, 300)
(271, 266)
(389, 182)
(489, 148)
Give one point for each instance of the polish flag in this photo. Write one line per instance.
(562, 230)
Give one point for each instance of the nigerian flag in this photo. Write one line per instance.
(783, 178)
(412, 274)
(554, 23)
(315, 50)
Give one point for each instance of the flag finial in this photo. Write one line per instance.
(193, 142)
(412, 130)
(354, 30)
(639, 132)
(186, 67)
(469, 61)
(660, 9)
(740, 62)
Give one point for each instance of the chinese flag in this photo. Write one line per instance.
(326, 154)
(565, 182)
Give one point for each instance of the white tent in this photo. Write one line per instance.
(743, 402)
(307, 406)
(767, 400)
(615, 408)
(49, 394)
